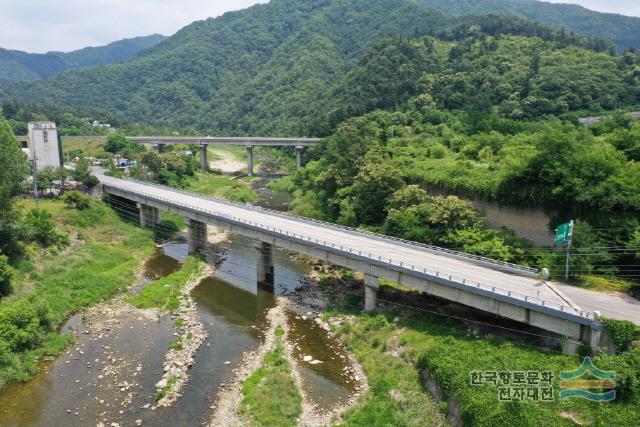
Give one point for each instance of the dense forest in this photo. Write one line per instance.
(19, 66)
(622, 30)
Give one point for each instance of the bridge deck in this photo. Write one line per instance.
(470, 272)
(246, 141)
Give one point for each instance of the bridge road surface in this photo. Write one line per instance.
(421, 258)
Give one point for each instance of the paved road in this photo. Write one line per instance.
(614, 305)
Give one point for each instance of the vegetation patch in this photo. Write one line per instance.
(270, 395)
(49, 286)
(164, 293)
(212, 184)
(443, 348)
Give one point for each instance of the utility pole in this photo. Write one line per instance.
(566, 266)
(35, 182)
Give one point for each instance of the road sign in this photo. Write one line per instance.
(564, 233)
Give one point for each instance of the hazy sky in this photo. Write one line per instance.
(623, 7)
(43, 25)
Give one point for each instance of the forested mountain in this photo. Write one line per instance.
(287, 68)
(18, 66)
(238, 72)
(624, 31)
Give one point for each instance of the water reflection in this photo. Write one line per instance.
(160, 265)
(239, 266)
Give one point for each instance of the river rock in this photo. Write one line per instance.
(307, 358)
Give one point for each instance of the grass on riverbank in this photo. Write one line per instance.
(212, 184)
(270, 395)
(164, 293)
(421, 341)
(49, 286)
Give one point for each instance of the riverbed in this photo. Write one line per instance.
(108, 375)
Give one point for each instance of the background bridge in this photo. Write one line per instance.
(499, 288)
(158, 142)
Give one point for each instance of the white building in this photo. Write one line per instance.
(44, 144)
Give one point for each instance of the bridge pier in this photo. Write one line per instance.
(265, 264)
(298, 156)
(371, 287)
(149, 216)
(204, 164)
(250, 160)
(158, 148)
(197, 236)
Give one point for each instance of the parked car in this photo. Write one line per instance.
(634, 291)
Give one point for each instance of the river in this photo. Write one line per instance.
(110, 376)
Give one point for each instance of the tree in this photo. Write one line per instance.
(432, 221)
(116, 143)
(82, 173)
(411, 195)
(13, 170)
(370, 191)
(6, 276)
(38, 226)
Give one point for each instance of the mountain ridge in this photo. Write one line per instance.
(16, 65)
(623, 30)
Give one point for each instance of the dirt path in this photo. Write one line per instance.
(227, 164)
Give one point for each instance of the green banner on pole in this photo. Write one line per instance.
(564, 233)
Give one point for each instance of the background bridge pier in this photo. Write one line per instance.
(204, 164)
(299, 156)
(250, 160)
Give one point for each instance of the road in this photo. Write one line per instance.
(614, 305)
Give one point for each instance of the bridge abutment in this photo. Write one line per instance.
(265, 264)
(197, 236)
(249, 160)
(204, 164)
(371, 288)
(149, 216)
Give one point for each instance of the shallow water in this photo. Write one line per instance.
(327, 384)
(160, 264)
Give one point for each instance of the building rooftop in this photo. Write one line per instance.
(42, 125)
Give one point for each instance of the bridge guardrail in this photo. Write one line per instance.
(435, 249)
(368, 255)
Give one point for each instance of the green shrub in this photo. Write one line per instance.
(622, 332)
(38, 226)
(24, 324)
(76, 200)
(6, 276)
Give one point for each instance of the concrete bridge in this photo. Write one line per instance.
(158, 142)
(503, 289)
